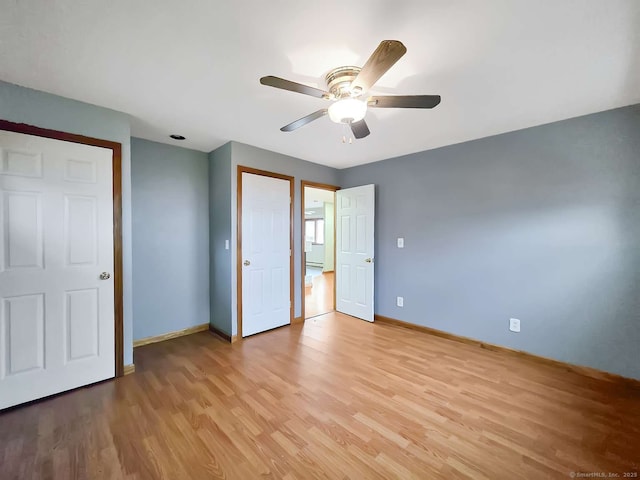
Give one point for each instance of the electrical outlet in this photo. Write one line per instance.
(514, 325)
(400, 301)
(226, 244)
(400, 242)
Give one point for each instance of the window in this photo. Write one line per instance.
(314, 231)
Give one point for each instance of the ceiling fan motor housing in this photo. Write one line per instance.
(339, 81)
(347, 108)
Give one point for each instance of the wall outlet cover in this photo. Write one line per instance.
(400, 301)
(514, 325)
(400, 242)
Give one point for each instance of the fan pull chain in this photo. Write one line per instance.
(347, 134)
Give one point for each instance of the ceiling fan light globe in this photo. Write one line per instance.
(347, 110)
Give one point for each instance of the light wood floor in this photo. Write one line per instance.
(319, 298)
(332, 398)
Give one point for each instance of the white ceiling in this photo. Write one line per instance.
(192, 67)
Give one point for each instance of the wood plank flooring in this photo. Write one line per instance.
(333, 398)
(318, 299)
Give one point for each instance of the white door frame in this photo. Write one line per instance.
(255, 171)
(116, 149)
(321, 186)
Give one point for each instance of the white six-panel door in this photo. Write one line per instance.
(354, 251)
(266, 245)
(56, 238)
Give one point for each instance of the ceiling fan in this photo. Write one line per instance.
(348, 84)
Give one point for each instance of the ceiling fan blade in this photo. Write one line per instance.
(278, 82)
(360, 129)
(404, 101)
(381, 60)
(301, 122)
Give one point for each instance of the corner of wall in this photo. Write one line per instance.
(220, 238)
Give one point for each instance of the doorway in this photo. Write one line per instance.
(318, 249)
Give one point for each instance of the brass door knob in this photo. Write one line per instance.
(368, 260)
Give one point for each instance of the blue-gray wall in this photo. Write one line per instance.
(541, 224)
(24, 105)
(223, 183)
(219, 232)
(170, 211)
(248, 156)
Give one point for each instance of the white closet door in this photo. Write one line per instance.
(56, 239)
(266, 250)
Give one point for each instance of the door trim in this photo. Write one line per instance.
(116, 176)
(264, 173)
(303, 255)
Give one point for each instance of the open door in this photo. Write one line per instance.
(354, 251)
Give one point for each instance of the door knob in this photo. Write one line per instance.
(368, 260)
(105, 276)
(247, 263)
